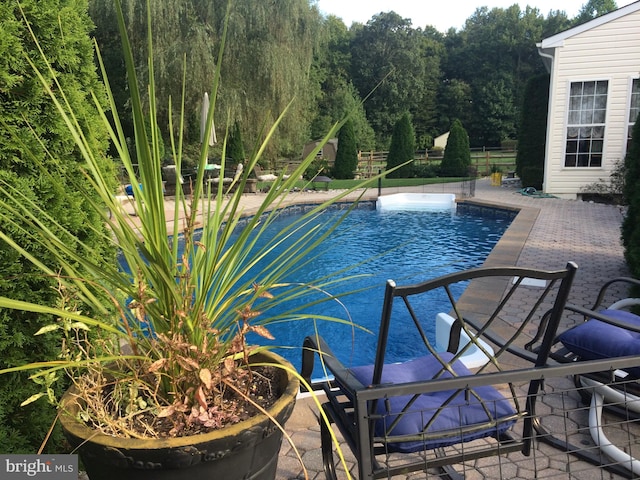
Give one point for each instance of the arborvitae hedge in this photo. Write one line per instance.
(631, 222)
(235, 149)
(533, 132)
(457, 154)
(402, 148)
(52, 179)
(346, 162)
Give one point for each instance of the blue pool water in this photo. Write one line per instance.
(405, 246)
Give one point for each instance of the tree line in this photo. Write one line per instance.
(285, 50)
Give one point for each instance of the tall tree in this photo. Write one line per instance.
(330, 70)
(402, 148)
(533, 132)
(454, 101)
(556, 21)
(269, 50)
(425, 114)
(334, 106)
(495, 104)
(337, 96)
(390, 62)
(495, 54)
(346, 162)
(183, 41)
(631, 222)
(235, 146)
(38, 171)
(457, 155)
(593, 9)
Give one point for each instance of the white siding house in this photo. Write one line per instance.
(441, 140)
(594, 99)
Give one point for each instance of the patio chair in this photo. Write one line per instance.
(234, 178)
(171, 178)
(263, 176)
(457, 399)
(607, 333)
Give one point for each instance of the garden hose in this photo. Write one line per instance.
(532, 192)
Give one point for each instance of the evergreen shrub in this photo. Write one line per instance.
(533, 132)
(457, 154)
(346, 162)
(51, 176)
(631, 191)
(235, 147)
(402, 148)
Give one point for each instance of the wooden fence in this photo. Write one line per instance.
(369, 163)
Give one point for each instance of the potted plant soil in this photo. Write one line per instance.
(164, 383)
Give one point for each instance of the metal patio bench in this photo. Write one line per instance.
(607, 332)
(459, 398)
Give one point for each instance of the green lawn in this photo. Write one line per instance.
(394, 182)
(386, 182)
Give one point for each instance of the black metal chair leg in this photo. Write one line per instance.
(448, 471)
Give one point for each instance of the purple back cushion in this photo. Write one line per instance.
(462, 411)
(594, 339)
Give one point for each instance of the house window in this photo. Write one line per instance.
(634, 108)
(585, 128)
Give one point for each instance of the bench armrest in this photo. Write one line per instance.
(315, 345)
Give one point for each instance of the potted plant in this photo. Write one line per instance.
(164, 382)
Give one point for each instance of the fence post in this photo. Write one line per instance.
(487, 157)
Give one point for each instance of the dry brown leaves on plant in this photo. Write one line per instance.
(179, 419)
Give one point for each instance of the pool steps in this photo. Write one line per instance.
(416, 201)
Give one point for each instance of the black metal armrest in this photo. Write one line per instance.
(604, 289)
(315, 345)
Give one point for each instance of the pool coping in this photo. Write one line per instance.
(482, 293)
(507, 250)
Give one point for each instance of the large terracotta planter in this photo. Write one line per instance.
(246, 450)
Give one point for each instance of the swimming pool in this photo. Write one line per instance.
(406, 246)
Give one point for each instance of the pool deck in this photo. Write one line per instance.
(547, 234)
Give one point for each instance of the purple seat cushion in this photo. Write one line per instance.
(594, 339)
(462, 411)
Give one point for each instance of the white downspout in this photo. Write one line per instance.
(548, 63)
